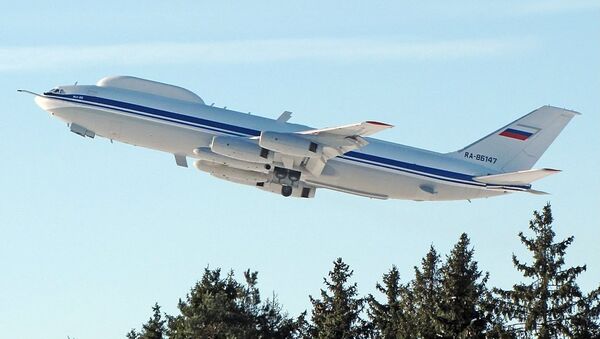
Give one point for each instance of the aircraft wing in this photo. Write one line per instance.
(336, 141)
(364, 129)
(312, 149)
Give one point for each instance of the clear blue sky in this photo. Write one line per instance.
(93, 233)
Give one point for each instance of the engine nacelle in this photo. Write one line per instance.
(290, 144)
(232, 174)
(300, 191)
(204, 153)
(240, 149)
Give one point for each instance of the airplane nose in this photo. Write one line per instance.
(46, 103)
(40, 101)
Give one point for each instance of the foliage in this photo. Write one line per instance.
(221, 307)
(426, 291)
(153, 329)
(395, 318)
(446, 299)
(462, 294)
(550, 303)
(337, 313)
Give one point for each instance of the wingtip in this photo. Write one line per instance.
(379, 123)
(536, 192)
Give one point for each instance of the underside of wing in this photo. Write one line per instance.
(281, 162)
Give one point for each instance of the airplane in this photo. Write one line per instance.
(296, 160)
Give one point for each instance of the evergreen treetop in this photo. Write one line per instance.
(462, 293)
(337, 313)
(426, 289)
(395, 317)
(550, 303)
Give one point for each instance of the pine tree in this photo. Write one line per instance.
(551, 303)
(337, 314)
(130, 335)
(497, 326)
(426, 295)
(274, 323)
(210, 310)
(462, 294)
(153, 329)
(221, 307)
(392, 319)
(585, 323)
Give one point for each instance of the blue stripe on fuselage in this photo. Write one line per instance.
(172, 115)
(220, 127)
(414, 167)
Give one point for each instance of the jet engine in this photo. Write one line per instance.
(230, 173)
(204, 153)
(240, 149)
(290, 144)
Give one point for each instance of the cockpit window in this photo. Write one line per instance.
(57, 91)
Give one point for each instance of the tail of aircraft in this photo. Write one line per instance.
(518, 145)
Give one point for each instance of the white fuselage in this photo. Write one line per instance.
(379, 170)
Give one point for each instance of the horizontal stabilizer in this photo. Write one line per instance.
(516, 178)
(537, 192)
(509, 188)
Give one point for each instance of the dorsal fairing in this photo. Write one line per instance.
(150, 87)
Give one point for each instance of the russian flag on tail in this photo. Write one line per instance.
(519, 134)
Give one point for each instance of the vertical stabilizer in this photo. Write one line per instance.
(518, 145)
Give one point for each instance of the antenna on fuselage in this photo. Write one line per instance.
(75, 83)
(284, 117)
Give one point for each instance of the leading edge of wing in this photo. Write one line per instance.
(364, 128)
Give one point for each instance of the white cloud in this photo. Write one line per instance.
(251, 51)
